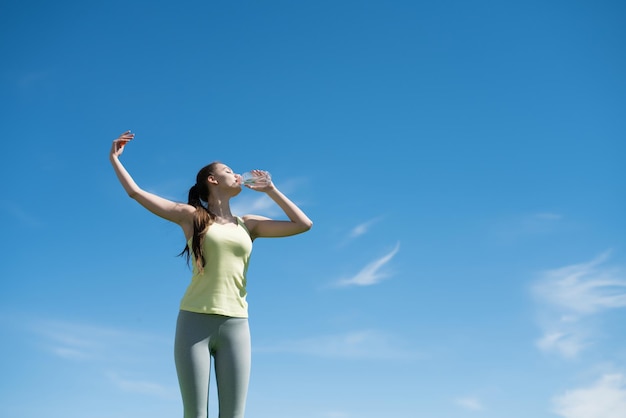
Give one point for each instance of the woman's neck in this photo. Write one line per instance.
(221, 209)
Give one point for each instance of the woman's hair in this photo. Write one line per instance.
(202, 217)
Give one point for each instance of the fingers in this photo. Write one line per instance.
(118, 144)
(262, 181)
(124, 138)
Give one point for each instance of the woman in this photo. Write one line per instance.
(213, 316)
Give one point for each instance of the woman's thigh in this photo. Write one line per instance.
(193, 360)
(232, 366)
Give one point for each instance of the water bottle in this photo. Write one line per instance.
(257, 178)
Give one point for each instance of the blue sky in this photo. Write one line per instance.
(462, 163)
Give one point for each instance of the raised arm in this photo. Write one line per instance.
(260, 226)
(179, 213)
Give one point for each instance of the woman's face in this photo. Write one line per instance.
(224, 176)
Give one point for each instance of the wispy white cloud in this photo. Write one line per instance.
(258, 204)
(569, 296)
(372, 273)
(568, 345)
(363, 344)
(362, 228)
(144, 387)
(606, 398)
(527, 225)
(358, 231)
(470, 403)
(70, 353)
(102, 350)
(71, 341)
(582, 289)
(81, 341)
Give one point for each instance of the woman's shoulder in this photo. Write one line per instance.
(251, 217)
(251, 223)
(186, 207)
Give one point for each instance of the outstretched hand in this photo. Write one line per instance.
(118, 144)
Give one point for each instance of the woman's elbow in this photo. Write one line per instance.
(133, 194)
(307, 225)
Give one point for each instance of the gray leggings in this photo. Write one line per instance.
(200, 336)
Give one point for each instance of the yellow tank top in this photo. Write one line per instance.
(221, 288)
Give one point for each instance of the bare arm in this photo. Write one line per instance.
(260, 226)
(179, 213)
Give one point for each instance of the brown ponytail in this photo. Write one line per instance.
(203, 218)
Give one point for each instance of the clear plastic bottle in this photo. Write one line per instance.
(260, 178)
